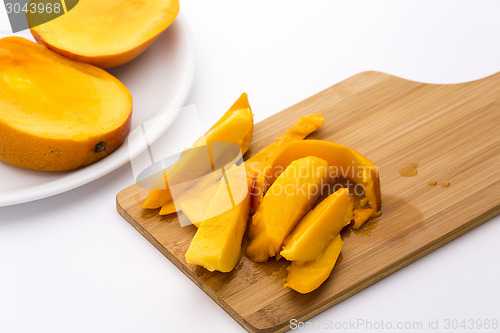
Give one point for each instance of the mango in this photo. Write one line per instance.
(159, 195)
(235, 126)
(169, 208)
(240, 104)
(57, 114)
(217, 242)
(361, 216)
(195, 207)
(290, 197)
(196, 196)
(105, 33)
(345, 162)
(318, 227)
(306, 276)
(265, 157)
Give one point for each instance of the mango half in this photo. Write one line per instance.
(57, 114)
(106, 33)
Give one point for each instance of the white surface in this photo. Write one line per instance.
(155, 98)
(70, 263)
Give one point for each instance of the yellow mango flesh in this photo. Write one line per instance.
(168, 208)
(195, 207)
(235, 126)
(318, 227)
(199, 160)
(217, 242)
(159, 196)
(306, 276)
(285, 203)
(194, 195)
(265, 157)
(106, 33)
(57, 114)
(361, 216)
(347, 162)
(237, 129)
(304, 126)
(240, 104)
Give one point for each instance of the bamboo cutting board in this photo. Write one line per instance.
(451, 131)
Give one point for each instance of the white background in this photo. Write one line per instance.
(70, 263)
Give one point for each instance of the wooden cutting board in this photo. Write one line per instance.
(451, 131)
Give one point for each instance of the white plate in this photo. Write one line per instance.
(159, 80)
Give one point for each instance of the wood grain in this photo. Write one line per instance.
(451, 131)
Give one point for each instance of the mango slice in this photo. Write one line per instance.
(285, 203)
(265, 157)
(346, 162)
(159, 196)
(235, 126)
(306, 276)
(57, 114)
(361, 216)
(240, 104)
(236, 129)
(195, 207)
(106, 33)
(217, 242)
(201, 193)
(318, 227)
(168, 208)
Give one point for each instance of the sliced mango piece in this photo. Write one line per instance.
(265, 157)
(318, 227)
(217, 242)
(285, 203)
(157, 197)
(196, 200)
(196, 206)
(193, 193)
(236, 126)
(306, 276)
(168, 208)
(361, 216)
(304, 126)
(347, 163)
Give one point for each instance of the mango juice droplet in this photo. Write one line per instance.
(409, 170)
(445, 184)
